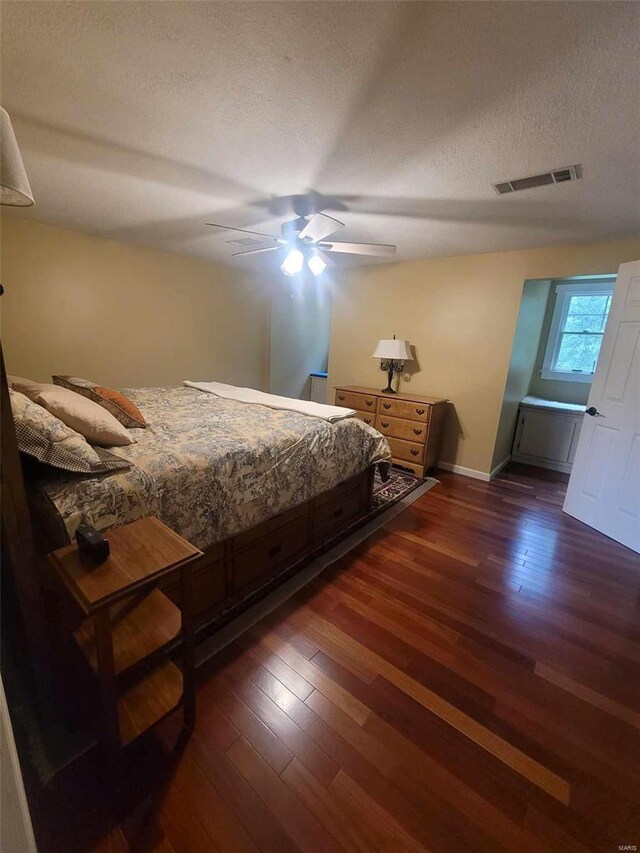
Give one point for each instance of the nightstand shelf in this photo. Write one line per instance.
(148, 700)
(140, 626)
(130, 626)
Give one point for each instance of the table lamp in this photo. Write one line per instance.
(393, 354)
(16, 191)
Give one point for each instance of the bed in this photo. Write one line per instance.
(257, 489)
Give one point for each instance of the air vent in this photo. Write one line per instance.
(245, 242)
(557, 176)
(562, 175)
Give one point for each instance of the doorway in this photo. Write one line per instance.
(555, 351)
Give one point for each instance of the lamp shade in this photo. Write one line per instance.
(393, 349)
(13, 177)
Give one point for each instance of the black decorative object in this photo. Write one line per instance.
(92, 544)
(391, 366)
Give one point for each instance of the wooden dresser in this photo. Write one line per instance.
(412, 423)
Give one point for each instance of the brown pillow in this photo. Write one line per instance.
(121, 402)
(120, 406)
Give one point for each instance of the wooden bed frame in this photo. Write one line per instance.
(230, 574)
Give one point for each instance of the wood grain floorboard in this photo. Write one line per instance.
(468, 678)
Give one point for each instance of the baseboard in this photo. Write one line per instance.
(499, 467)
(537, 462)
(466, 472)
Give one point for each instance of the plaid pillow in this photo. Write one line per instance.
(44, 437)
(121, 407)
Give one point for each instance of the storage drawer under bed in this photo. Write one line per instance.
(264, 557)
(209, 579)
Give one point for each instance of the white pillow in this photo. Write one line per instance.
(24, 386)
(96, 424)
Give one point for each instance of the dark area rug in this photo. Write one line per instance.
(398, 486)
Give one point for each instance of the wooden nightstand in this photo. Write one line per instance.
(130, 625)
(412, 423)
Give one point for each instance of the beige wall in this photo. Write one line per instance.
(125, 315)
(461, 314)
(533, 306)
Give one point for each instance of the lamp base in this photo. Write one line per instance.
(390, 371)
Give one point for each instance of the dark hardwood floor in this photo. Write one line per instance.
(467, 679)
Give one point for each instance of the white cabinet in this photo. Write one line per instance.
(547, 433)
(318, 391)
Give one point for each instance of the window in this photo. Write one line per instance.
(579, 319)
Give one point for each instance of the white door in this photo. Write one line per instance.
(604, 488)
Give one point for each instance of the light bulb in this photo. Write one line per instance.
(292, 264)
(316, 264)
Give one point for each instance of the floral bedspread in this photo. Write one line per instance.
(210, 468)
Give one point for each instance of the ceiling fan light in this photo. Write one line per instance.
(316, 265)
(292, 264)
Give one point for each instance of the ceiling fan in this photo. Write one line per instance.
(304, 239)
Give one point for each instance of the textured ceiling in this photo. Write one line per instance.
(141, 121)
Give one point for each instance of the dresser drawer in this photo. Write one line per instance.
(353, 400)
(403, 409)
(407, 450)
(367, 417)
(398, 428)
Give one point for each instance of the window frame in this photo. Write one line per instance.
(601, 287)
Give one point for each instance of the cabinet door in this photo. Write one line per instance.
(546, 435)
(318, 389)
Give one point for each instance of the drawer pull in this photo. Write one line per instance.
(414, 452)
(420, 411)
(385, 424)
(338, 512)
(369, 402)
(367, 420)
(340, 396)
(273, 552)
(417, 431)
(386, 405)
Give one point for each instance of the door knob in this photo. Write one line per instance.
(593, 412)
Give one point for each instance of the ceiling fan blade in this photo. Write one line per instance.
(318, 227)
(257, 251)
(244, 231)
(382, 250)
